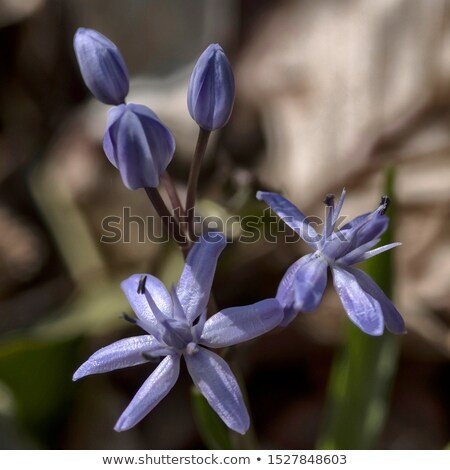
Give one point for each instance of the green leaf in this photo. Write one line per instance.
(358, 391)
(212, 430)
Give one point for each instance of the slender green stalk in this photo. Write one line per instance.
(200, 150)
(364, 370)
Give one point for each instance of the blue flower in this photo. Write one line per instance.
(211, 89)
(138, 144)
(303, 285)
(102, 66)
(177, 327)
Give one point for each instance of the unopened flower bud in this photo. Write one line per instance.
(138, 144)
(102, 67)
(211, 89)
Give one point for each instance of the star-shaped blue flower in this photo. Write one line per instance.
(177, 327)
(303, 285)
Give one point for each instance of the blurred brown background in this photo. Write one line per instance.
(329, 93)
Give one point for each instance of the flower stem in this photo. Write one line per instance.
(200, 150)
(172, 193)
(172, 225)
(179, 213)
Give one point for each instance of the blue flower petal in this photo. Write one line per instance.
(139, 302)
(363, 230)
(237, 324)
(373, 229)
(194, 286)
(286, 290)
(291, 216)
(363, 310)
(338, 208)
(309, 284)
(361, 254)
(392, 318)
(154, 389)
(135, 161)
(123, 353)
(356, 221)
(114, 114)
(213, 377)
(366, 227)
(338, 245)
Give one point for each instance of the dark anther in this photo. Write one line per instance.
(128, 318)
(329, 200)
(141, 286)
(384, 204)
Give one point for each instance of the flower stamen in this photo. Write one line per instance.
(129, 319)
(141, 285)
(384, 205)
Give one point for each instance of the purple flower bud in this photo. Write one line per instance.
(102, 66)
(211, 89)
(138, 144)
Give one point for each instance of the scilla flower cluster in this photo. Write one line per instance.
(179, 324)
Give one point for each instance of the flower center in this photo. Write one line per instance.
(326, 258)
(191, 349)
